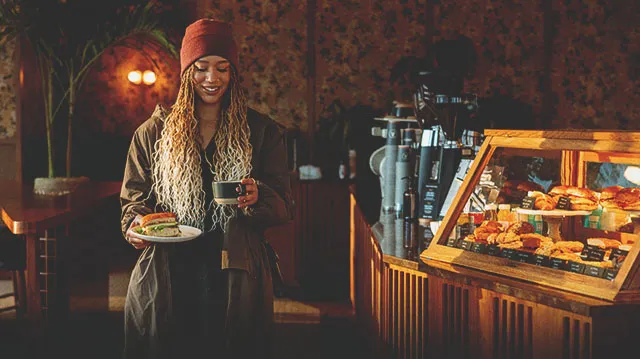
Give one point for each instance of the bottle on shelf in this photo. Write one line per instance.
(410, 197)
(491, 212)
(504, 214)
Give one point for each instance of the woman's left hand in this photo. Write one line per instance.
(251, 196)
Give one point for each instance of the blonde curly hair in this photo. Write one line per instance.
(176, 163)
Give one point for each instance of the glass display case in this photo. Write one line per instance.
(560, 209)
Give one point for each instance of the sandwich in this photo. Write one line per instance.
(628, 199)
(162, 224)
(581, 199)
(608, 195)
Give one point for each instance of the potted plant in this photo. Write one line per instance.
(67, 38)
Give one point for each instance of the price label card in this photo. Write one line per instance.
(479, 248)
(557, 263)
(575, 267)
(610, 273)
(594, 271)
(524, 257)
(452, 242)
(509, 253)
(493, 250)
(593, 253)
(541, 260)
(528, 202)
(563, 203)
(466, 245)
(429, 202)
(618, 254)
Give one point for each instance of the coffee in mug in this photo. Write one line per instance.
(224, 192)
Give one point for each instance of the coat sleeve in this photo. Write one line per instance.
(135, 194)
(274, 187)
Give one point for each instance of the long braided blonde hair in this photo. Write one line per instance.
(176, 164)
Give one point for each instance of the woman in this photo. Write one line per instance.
(212, 294)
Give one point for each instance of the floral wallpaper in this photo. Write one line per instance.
(271, 37)
(509, 45)
(8, 89)
(596, 52)
(355, 53)
(120, 105)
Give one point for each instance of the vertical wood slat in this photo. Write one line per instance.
(367, 281)
(516, 328)
(407, 323)
(391, 301)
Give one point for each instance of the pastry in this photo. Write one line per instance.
(511, 245)
(604, 243)
(545, 248)
(607, 196)
(543, 201)
(570, 246)
(534, 240)
(520, 228)
(581, 199)
(628, 199)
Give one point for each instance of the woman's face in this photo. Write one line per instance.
(211, 77)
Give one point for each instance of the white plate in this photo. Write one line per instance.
(188, 233)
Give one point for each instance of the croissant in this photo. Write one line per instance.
(543, 201)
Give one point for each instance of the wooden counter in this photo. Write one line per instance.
(428, 309)
(41, 220)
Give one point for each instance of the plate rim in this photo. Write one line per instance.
(171, 239)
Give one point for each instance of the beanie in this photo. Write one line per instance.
(207, 37)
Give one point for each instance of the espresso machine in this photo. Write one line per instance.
(445, 146)
(445, 114)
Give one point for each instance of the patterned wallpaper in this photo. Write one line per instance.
(509, 45)
(8, 89)
(271, 36)
(595, 53)
(355, 53)
(596, 64)
(119, 105)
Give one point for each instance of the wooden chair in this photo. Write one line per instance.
(13, 262)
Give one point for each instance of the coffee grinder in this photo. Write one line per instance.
(443, 112)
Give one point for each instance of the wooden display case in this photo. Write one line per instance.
(587, 159)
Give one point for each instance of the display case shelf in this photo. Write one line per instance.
(587, 160)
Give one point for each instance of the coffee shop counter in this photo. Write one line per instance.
(417, 308)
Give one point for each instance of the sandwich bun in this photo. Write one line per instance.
(161, 224)
(628, 199)
(608, 195)
(580, 198)
(155, 218)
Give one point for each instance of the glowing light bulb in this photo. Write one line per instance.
(149, 77)
(135, 77)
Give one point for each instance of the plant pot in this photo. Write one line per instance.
(57, 186)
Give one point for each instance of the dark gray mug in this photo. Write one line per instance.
(224, 192)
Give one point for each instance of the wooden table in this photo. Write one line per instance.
(37, 219)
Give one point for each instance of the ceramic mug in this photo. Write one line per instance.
(224, 192)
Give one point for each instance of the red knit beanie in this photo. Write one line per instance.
(207, 37)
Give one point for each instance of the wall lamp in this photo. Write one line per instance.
(137, 77)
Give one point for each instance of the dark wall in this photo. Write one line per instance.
(556, 64)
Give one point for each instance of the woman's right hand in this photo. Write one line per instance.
(135, 241)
